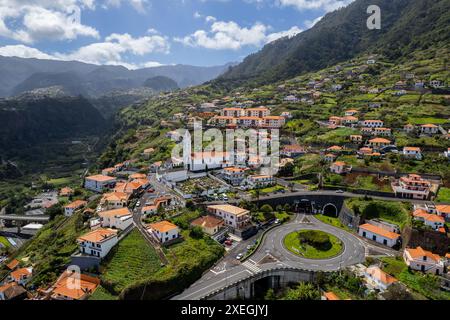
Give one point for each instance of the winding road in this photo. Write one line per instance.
(272, 253)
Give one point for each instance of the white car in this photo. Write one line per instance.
(239, 256)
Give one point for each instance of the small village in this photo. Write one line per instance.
(389, 172)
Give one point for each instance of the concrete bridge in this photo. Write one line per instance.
(273, 278)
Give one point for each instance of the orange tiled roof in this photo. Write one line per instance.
(443, 209)
(207, 222)
(380, 275)
(121, 212)
(19, 273)
(87, 285)
(380, 231)
(331, 296)
(100, 178)
(13, 264)
(419, 253)
(98, 235)
(163, 226)
(76, 204)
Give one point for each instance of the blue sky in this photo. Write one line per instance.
(140, 33)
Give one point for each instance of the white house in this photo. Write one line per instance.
(74, 206)
(372, 123)
(378, 279)
(115, 200)
(444, 211)
(164, 231)
(447, 154)
(412, 152)
(235, 217)
(22, 276)
(340, 167)
(412, 187)
(99, 182)
(120, 218)
(423, 260)
(233, 175)
(209, 224)
(98, 243)
(429, 129)
(259, 181)
(432, 220)
(378, 234)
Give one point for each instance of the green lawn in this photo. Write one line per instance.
(292, 243)
(426, 285)
(269, 189)
(333, 221)
(444, 195)
(4, 242)
(131, 260)
(102, 295)
(427, 120)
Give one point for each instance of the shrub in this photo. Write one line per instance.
(318, 240)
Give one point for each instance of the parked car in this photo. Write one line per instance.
(239, 256)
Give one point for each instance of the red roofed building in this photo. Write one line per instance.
(423, 260)
(378, 234)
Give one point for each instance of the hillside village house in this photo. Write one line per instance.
(231, 112)
(356, 138)
(163, 201)
(340, 167)
(260, 181)
(98, 243)
(22, 276)
(70, 209)
(379, 143)
(444, 211)
(378, 234)
(286, 115)
(164, 231)
(108, 171)
(409, 128)
(351, 112)
(117, 219)
(66, 192)
(63, 289)
(233, 175)
(412, 152)
(412, 187)
(330, 157)
(384, 132)
(292, 151)
(209, 224)
(432, 220)
(372, 123)
(273, 121)
(12, 291)
(423, 260)
(98, 183)
(378, 279)
(429, 129)
(201, 161)
(234, 217)
(115, 200)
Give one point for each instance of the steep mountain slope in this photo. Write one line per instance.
(407, 25)
(29, 120)
(21, 75)
(161, 83)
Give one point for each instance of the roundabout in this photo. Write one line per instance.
(313, 244)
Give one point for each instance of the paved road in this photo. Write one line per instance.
(272, 254)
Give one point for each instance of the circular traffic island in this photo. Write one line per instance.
(313, 244)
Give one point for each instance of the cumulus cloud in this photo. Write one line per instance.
(327, 5)
(29, 21)
(109, 52)
(229, 35)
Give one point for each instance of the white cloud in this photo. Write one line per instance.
(327, 5)
(311, 23)
(229, 35)
(29, 21)
(288, 33)
(109, 52)
(140, 6)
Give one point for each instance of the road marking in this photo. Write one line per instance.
(252, 266)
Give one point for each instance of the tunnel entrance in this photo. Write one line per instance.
(330, 210)
(303, 206)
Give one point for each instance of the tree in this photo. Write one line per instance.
(55, 211)
(304, 291)
(196, 232)
(266, 208)
(270, 295)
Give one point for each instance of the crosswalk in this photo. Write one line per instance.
(251, 266)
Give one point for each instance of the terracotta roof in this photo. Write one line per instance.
(379, 231)
(100, 178)
(98, 235)
(163, 226)
(339, 163)
(12, 290)
(428, 216)
(443, 209)
(115, 213)
(331, 296)
(87, 285)
(379, 140)
(19, 273)
(380, 275)
(411, 149)
(429, 126)
(13, 264)
(138, 176)
(116, 196)
(207, 222)
(419, 253)
(234, 169)
(76, 204)
(229, 209)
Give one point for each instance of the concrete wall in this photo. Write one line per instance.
(278, 278)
